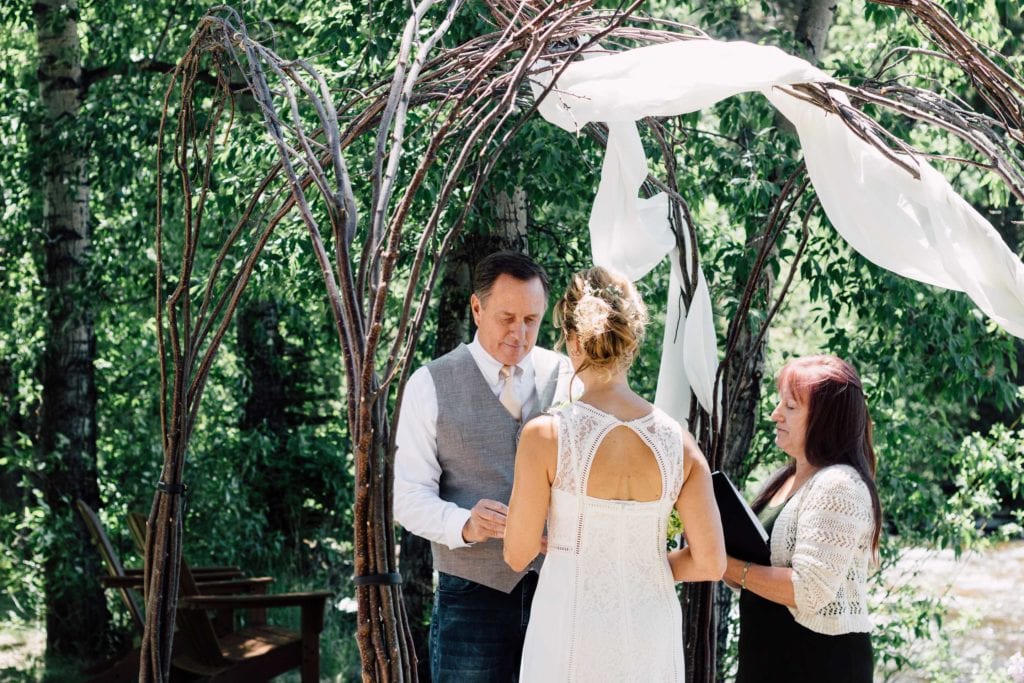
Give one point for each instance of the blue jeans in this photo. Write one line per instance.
(476, 632)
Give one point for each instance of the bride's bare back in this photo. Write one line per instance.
(624, 468)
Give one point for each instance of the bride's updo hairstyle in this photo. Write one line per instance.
(605, 312)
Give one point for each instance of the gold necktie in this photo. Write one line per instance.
(509, 398)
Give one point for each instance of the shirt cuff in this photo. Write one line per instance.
(453, 528)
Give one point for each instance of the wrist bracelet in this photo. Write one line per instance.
(743, 579)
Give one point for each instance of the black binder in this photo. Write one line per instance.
(745, 538)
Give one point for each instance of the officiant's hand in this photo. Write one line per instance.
(486, 520)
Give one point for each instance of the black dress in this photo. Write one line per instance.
(774, 647)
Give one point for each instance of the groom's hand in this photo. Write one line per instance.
(486, 520)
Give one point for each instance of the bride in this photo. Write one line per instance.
(604, 473)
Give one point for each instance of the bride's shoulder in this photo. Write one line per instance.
(693, 457)
(538, 441)
(543, 425)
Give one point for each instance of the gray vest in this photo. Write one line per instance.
(476, 448)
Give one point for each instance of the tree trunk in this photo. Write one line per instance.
(76, 611)
(746, 370)
(261, 349)
(453, 328)
(812, 26)
(745, 373)
(511, 221)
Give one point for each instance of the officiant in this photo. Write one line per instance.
(805, 617)
(454, 465)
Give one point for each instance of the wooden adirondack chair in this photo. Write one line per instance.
(127, 580)
(256, 652)
(126, 668)
(129, 584)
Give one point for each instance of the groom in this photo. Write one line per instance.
(456, 443)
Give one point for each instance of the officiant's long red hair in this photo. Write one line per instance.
(838, 423)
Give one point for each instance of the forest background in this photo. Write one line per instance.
(270, 463)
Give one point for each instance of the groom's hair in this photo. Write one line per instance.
(512, 263)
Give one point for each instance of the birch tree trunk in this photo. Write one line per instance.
(76, 612)
(812, 26)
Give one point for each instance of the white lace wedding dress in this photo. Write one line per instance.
(605, 607)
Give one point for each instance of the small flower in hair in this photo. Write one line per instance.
(591, 317)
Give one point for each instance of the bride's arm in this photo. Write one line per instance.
(703, 558)
(536, 459)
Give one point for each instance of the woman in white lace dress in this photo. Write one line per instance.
(604, 474)
(804, 618)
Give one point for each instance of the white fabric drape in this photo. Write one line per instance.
(919, 228)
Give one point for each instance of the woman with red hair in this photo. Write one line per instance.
(804, 618)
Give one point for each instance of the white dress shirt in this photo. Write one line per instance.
(417, 504)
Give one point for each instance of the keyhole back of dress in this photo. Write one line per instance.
(624, 468)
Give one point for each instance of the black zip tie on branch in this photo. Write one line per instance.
(390, 579)
(176, 490)
(173, 489)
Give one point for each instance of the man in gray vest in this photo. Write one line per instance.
(457, 432)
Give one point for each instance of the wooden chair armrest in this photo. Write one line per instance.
(218, 576)
(311, 604)
(227, 571)
(245, 601)
(253, 584)
(217, 587)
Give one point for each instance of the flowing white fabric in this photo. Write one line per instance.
(631, 236)
(673, 392)
(605, 607)
(700, 355)
(918, 228)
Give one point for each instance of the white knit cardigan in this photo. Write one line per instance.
(824, 534)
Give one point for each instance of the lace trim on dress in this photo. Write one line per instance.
(581, 434)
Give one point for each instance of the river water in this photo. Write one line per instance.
(985, 595)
